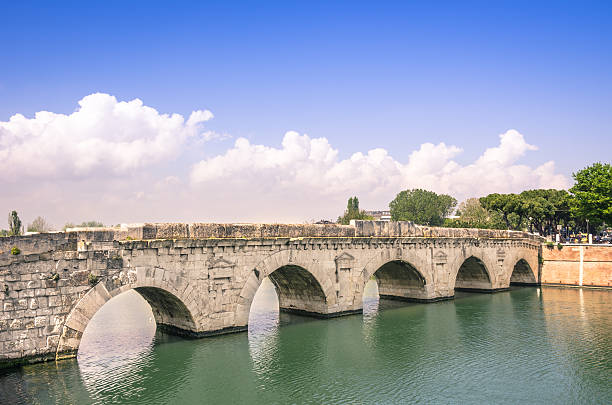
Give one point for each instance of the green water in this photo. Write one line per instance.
(528, 345)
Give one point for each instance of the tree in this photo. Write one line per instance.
(14, 224)
(423, 207)
(509, 206)
(39, 225)
(84, 224)
(353, 212)
(545, 209)
(473, 214)
(592, 193)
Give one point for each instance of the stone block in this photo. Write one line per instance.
(33, 284)
(16, 324)
(22, 303)
(33, 303)
(53, 341)
(41, 321)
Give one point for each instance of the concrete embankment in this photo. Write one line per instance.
(577, 265)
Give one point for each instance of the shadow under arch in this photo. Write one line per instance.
(400, 280)
(299, 291)
(522, 274)
(171, 314)
(473, 275)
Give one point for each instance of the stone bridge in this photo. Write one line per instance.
(200, 279)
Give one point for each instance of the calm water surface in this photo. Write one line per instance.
(527, 345)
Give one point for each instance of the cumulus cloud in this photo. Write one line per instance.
(308, 165)
(119, 161)
(101, 135)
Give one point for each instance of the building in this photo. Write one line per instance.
(380, 215)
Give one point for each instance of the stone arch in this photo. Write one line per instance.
(399, 279)
(473, 275)
(408, 271)
(522, 274)
(302, 285)
(172, 313)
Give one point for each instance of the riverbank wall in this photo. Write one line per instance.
(577, 265)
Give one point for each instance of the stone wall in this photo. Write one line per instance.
(67, 240)
(579, 265)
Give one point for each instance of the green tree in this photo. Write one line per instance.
(14, 224)
(84, 224)
(545, 208)
(509, 206)
(423, 207)
(39, 225)
(472, 213)
(353, 212)
(592, 193)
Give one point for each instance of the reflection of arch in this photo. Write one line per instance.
(473, 275)
(398, 279)
(302, 286)
(522, 274)
(171, 313)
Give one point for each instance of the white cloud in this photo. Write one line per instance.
(309, 167)
(101, 135)
(58, 166)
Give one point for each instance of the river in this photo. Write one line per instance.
(527, 345)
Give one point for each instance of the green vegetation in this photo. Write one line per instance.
(15, 251)
(422, 207)
(14, 224)
(92, 279)
(353, 212)
(39, 225)
(85, 224)
(592, 194)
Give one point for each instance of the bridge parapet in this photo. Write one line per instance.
(68, 240)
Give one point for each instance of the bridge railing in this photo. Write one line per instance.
(69, 240)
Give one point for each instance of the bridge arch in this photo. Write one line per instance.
(473, 275)
(171, 311)
(399, 279)
(522, 273)
(302, 285)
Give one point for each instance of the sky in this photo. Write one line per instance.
(128, 112)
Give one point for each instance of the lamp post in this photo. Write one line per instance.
(587, 221)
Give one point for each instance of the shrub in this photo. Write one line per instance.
(559, 246)
(15, 251)
(93, 279)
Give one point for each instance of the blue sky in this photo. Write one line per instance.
(362, 75)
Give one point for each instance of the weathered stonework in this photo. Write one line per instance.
(200, 279)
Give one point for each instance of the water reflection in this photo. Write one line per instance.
(522, 346)
(111, 360)
(264, 321)
(370, 310)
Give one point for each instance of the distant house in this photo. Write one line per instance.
(380, 215)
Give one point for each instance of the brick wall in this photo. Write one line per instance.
(582, 265)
